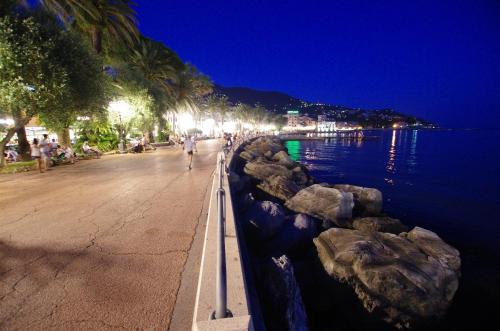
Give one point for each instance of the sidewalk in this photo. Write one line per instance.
(102, 244)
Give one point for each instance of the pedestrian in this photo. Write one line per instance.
(45, 150)
(36, 154)
(189, 145)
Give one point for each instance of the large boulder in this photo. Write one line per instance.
(283, 299)
(367, 201)
(237, 182)
(279, 186)
(263, 145)
(265, 218)
(248, 155)
(300, 177)
(379, 224)
(432, 245)
(296, 234)
(407, 279)
(325, 203)
(282, 158)
(245, 202)
(263, 170)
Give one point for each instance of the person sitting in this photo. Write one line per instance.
(11, 155)
(90, 150)
(69, 154)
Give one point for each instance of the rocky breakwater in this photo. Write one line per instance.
(342, 247)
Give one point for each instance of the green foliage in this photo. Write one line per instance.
(98, 133)
(30, 79)
(164, 131)
(87, 89)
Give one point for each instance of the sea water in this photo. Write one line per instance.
(447, 181)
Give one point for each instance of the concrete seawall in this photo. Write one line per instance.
(237, 289)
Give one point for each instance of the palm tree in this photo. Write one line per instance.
(157, 63)
(190, 86)
(218, 106)
(242, 114)
(101, 20)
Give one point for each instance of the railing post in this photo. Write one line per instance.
(221, 286)
(221, 310)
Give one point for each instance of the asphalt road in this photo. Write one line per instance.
(102, 244)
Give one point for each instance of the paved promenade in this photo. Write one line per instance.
(103, 244)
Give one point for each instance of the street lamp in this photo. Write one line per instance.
(123, 109)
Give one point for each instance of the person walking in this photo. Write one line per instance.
(189, 145)
(36, 154)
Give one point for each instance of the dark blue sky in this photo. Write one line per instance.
(437, 59)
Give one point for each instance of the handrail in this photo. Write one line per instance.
(221, 310)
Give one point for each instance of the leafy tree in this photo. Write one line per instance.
(48, 72)
(87, 89)
(30, 81)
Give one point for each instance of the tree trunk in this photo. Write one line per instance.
(64, 139)
(5, 140)
(24, 145)
(96, 36)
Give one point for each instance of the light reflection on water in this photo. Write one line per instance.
(444, 181)
(408, 166)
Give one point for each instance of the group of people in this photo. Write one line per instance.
(46, 151)
(139, 145)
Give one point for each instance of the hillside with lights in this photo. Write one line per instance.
(280, 103)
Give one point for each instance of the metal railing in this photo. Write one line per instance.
(221, 310)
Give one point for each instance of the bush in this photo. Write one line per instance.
(101, 135)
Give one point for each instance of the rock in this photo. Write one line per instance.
(325, 203)
(246, 202)
(296, 234)
(367, 201)
(263, 145)
(262, 170)
(406, 279)
(237, 183)
(284, 159)
(268, 155)
(379, 224)
(279, 187)
(266, 218)
(300, 177)
(283, 297)
(432, 245)
(247, 155)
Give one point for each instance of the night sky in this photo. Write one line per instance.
(437, 59)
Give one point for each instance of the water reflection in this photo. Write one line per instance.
(412, 159)
(293, 147)
(391, 163)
